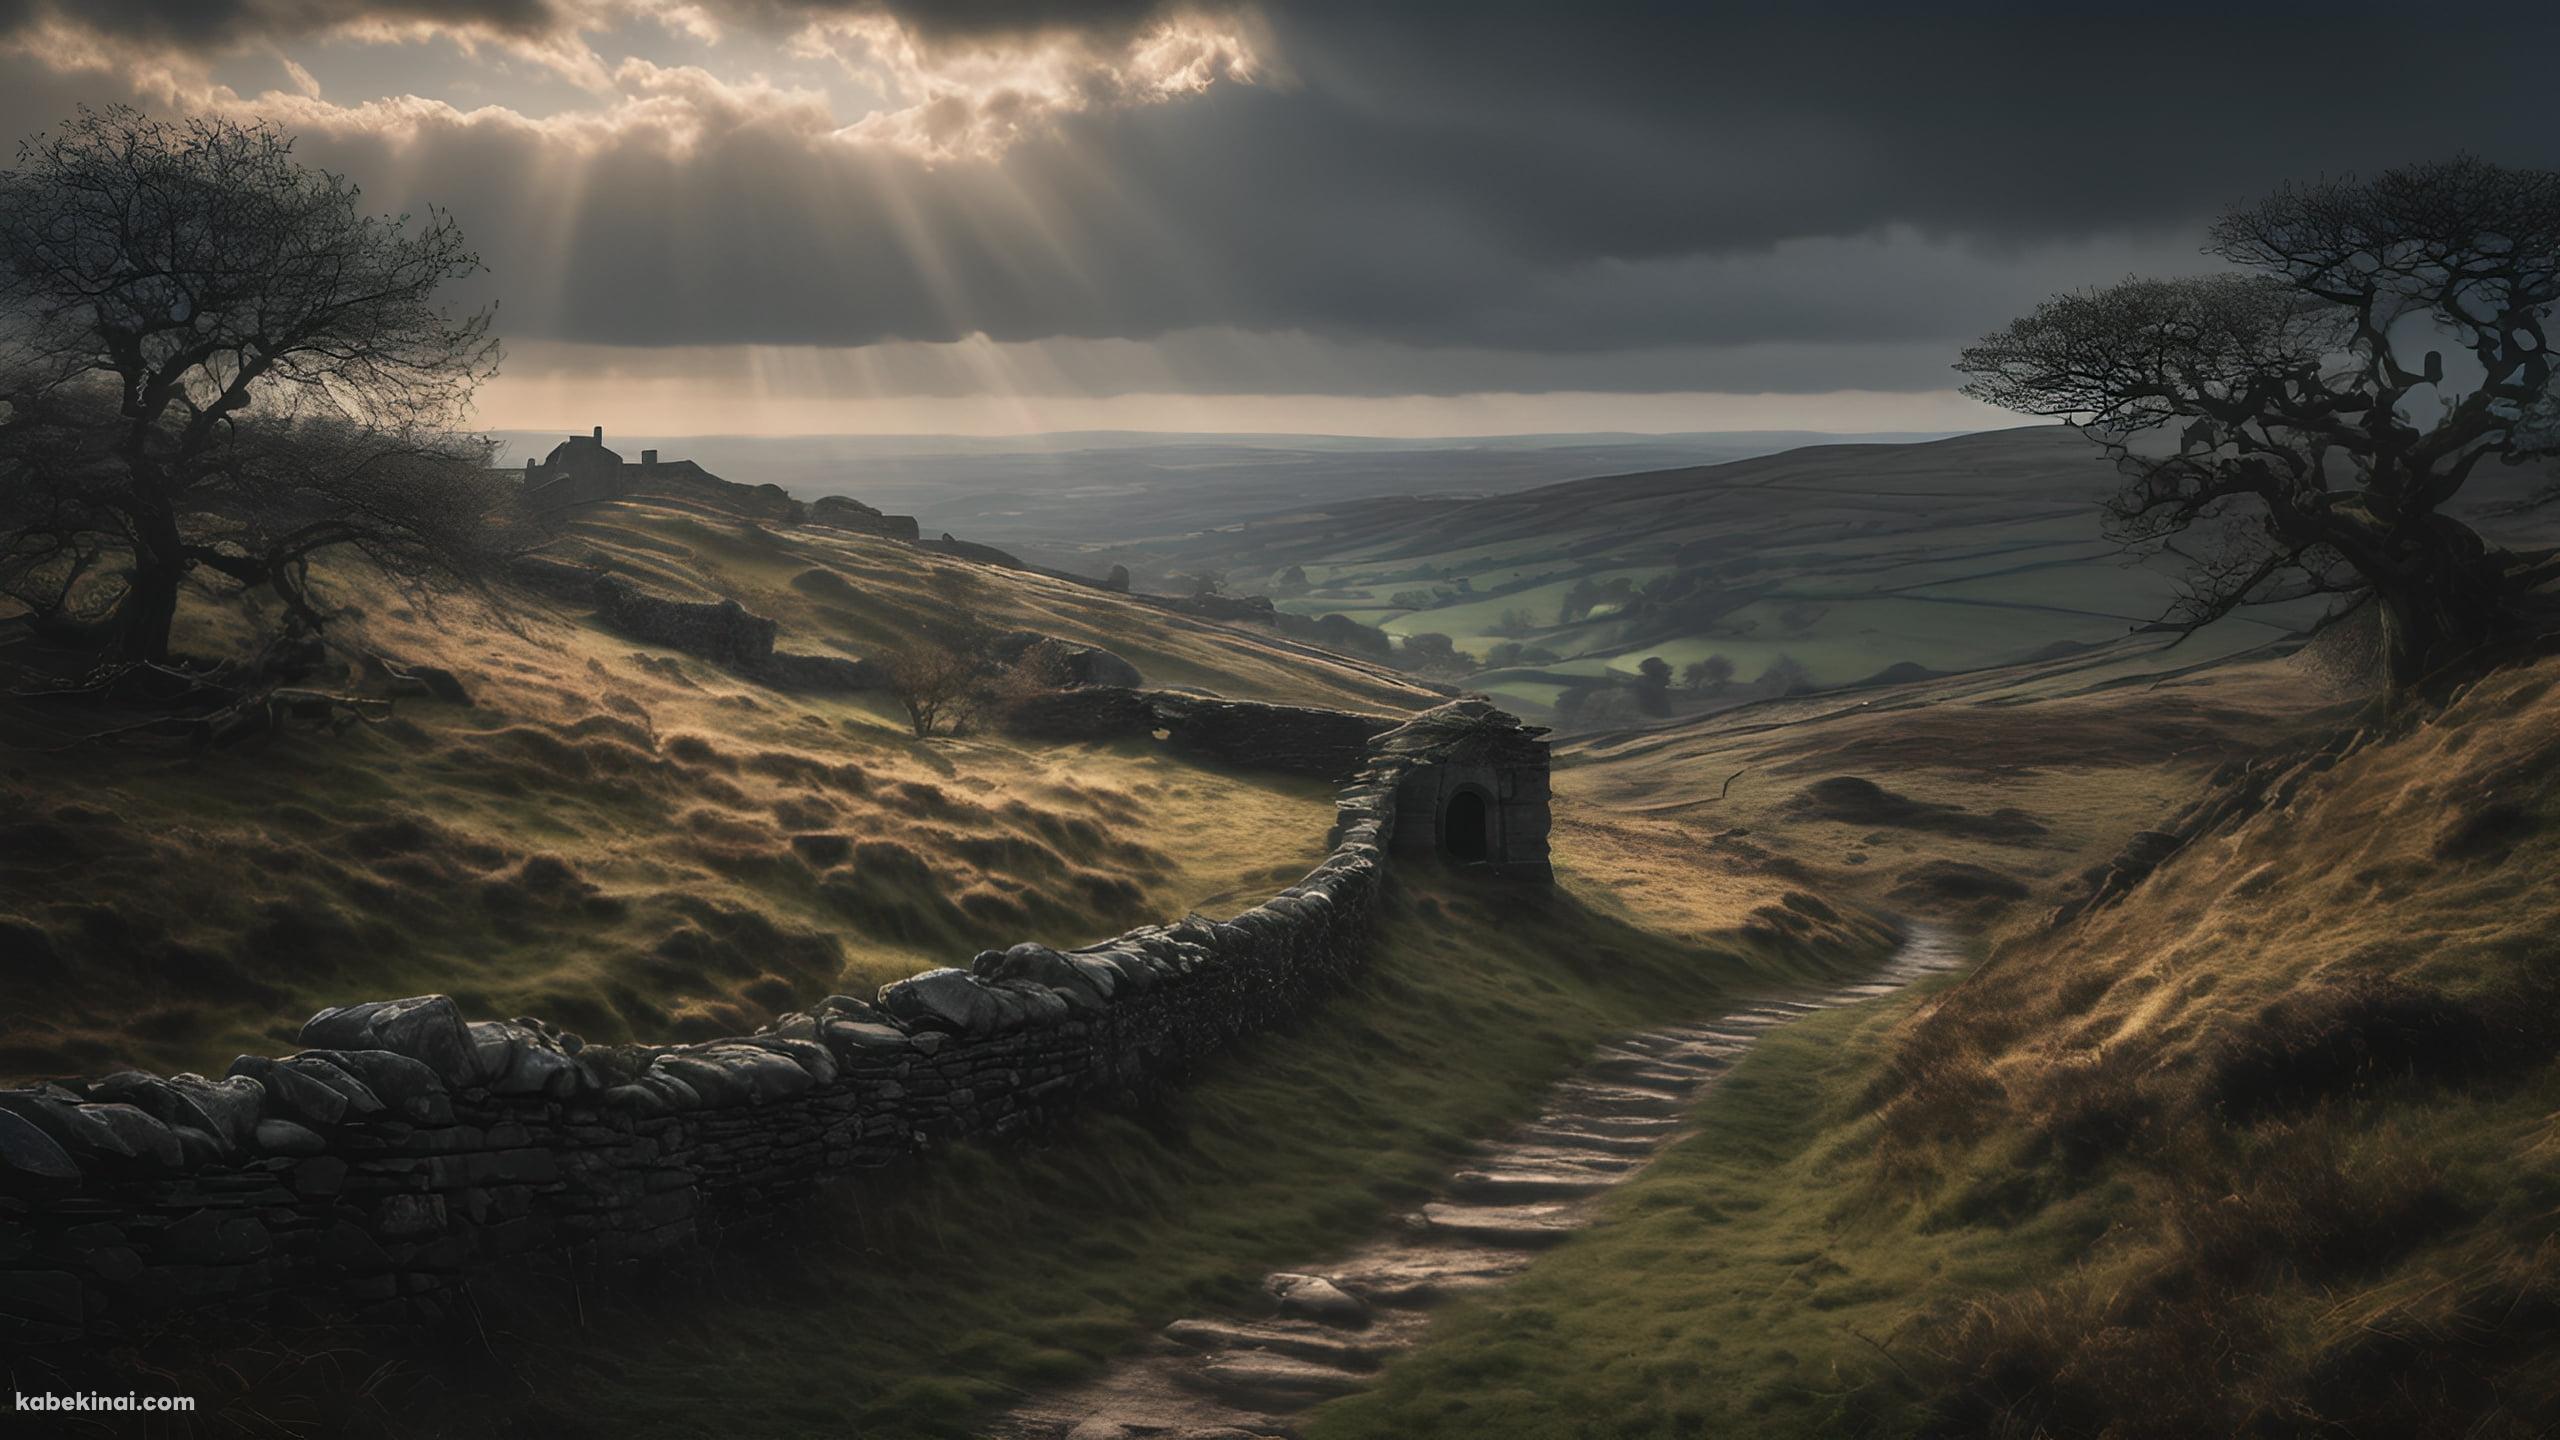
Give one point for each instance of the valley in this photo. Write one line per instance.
(1266, 720)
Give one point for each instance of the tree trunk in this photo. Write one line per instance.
(150, 606)
(2451, 611)
(148, 611)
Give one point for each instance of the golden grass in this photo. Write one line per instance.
(630, 842)
(2087, 767)
(2266, 1150)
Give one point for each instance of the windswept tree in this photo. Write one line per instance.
(214, 366)
(937, 682)
(2297, 428)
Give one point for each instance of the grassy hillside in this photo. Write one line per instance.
(2265, 1149)
(625, 840)
(1980, 797)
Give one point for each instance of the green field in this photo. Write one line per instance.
(1835, 562)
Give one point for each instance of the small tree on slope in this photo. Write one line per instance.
(2297, 430)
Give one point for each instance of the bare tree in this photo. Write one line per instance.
(2296, 430)
(212, 365)
(1713, 673)
(936, 682)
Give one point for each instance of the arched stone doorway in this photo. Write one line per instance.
(1466, 827)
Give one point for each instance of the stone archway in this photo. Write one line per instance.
(1466, 826)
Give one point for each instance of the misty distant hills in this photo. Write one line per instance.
(1558, 563)
(1072, 499)
(1825, 565)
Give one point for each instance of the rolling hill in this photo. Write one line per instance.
(1820, 567)
(1082, 501)
(612, 834)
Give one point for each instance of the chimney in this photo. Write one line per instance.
(599, 434)
(648, 457)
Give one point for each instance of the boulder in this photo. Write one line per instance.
(1314, 1297)
(291, 1094)
(1093, 665)
(1099, 969)
(670, 1088)
(636, 1097)
(710, 1082)
(31, 1162)
(163, 1101)
(139, 1138)
(1068, 661)
(1041, 966)
(1035, 1004)
(234, 1105)
(768, 1074)
(947, 1000)
(361, 1100)
(406, 1085)
(866, 1040)
(847, 1007)
(284, 1137)
(197, 1148)
(809, 1055)
(113, 1135)
(425, 1028)
(518, 1059)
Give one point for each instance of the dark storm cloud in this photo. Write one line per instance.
(244, 22)
(1514, 177)
(970, 20)
(229, 23)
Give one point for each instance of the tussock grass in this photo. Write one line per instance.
(2265, 1150)
(1982, 799)
(630, 842)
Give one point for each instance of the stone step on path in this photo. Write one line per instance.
(1298, 1339)
(1326, 1333)
(1582, 1161)
(1593, 1140)
(1522, 1183)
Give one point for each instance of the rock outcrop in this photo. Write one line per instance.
(1071, 663)
(958, 548)
(721, 631)
(843, 512)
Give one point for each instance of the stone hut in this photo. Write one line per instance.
(582, 470)
(577, 455)
(1479, 792)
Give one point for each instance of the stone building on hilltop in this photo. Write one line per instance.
(581, 471)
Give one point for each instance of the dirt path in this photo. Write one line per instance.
(1329, 1328)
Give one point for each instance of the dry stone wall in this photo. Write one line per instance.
(1294, 738)
(408, 1147)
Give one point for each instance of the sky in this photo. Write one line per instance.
(1385, 217)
